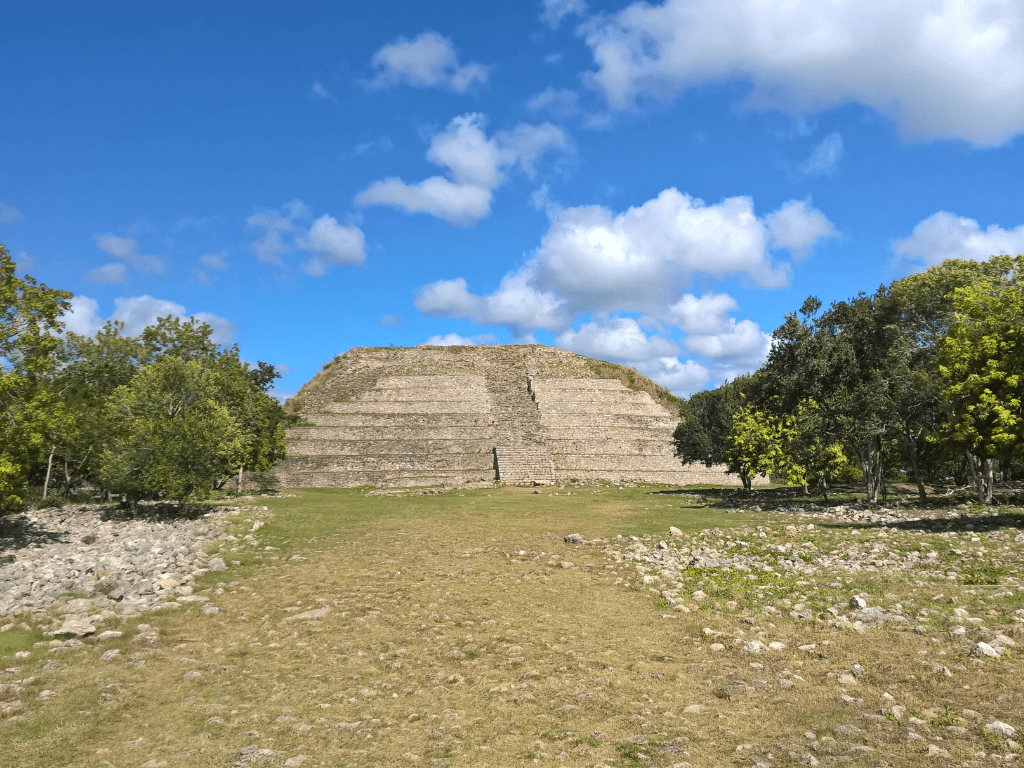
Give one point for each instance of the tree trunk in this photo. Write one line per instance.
(915, 466)
(49, 466)
(868, 457)
(988, 472)
(746, 480)
(982, 471)
(240, 480)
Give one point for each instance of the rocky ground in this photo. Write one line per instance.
(440, 631)
(93, 563)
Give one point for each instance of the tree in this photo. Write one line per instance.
(982, 366)
(94, 367)
(757, 446)
(706, 419)
(30, 413)
(170, 435)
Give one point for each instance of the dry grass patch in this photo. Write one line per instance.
(462, 630)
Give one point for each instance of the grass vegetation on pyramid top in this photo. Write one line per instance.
(634, 380)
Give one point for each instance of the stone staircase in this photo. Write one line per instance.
(521, 454)
(524, 466)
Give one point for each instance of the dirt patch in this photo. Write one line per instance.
(464, 630)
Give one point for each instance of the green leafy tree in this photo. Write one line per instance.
(757, 445)
(982, 366)
(837, 360)
(171, 437)
(706, 420)
(30, 412)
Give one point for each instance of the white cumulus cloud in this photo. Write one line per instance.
(328, 242)
(137, 312)
(332, 244)
(476, 165)
(515, 305)
(945, 235)
(682, 378)
(939, 69)
(641, 260)
(742, 343)
(427, 61)
(615, 338)
(798, 226)
(449, 340)
(707, 314)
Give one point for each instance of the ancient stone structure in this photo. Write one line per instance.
(469, 416)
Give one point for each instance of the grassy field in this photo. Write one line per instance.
(461, 630)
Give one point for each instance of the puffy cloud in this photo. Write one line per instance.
(592, 260)
(742, 343)
(798, 226)
(137, 312)
(9, 214)
(825, 157)
(449, 340)
(109, 274)
(328, 242)
(615, 338)
(945, 235)
(214, 260)
(82, 316)
(332, 245)
(682, 378)
(427, 61)
(460, 204)
(643, 258)
(515, 305)
(938, 69)
(475, 164)
(704, 315)
(556, 10)
(127, 250)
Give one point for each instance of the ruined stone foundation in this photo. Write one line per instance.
(470, 416)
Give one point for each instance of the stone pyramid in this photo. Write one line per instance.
(397, 417)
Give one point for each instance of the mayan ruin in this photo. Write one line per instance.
(470, 416)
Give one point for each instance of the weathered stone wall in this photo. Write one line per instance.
(465, 416)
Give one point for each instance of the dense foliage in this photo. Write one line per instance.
(168, 414)
(923, 381)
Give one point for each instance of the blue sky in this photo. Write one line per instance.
(655, 184)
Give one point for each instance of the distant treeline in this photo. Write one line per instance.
(165, 415)
(922, 381)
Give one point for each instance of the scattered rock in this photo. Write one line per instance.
(985, 650)
(574, 538)
(1000, 728)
